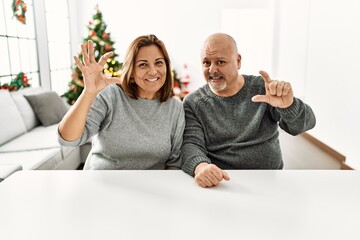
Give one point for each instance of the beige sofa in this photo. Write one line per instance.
(28, 137)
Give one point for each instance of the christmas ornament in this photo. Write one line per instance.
(19, 10)
(21, 81)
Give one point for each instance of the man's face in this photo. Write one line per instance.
(220, 64)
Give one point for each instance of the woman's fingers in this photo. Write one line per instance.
(84, 52)
(105, 57)
(79, 63)
(91, 52)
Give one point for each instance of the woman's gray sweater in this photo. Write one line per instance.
(132, 133)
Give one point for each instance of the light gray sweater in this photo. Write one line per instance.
(236, 133)
(132, 133)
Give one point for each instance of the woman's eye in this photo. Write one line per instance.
(159, 63)
(142, 65)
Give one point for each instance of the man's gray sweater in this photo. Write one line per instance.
(236, 133)
(132, 133)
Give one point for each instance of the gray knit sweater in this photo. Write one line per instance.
(236, 133)
(132, 133)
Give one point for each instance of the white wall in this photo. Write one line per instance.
(333, 85)
(320, 43)
(316, 47)
(253, 30)
(80, 13)
(182, 25)
(292, 43)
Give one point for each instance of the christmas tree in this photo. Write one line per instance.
(102, 44)
(177, 83)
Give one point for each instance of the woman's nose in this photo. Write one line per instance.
(152, 70)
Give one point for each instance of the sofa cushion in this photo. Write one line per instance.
(48, 107)
(47, 159)
(37, 139)
(24, 107)
(11, 122)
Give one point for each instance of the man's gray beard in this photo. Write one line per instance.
(217, 89)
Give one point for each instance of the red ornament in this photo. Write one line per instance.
(107, 47)
(73, 88)
(92, 33)
(105, 36)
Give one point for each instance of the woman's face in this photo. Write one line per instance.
(149, 71)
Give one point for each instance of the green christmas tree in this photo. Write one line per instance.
(102, 44)
(177, 82)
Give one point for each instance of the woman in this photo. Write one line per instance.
(136, 123)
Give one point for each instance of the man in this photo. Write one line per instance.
(232, 122)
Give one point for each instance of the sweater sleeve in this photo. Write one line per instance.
(297, 118)
(93, 122)
(174, 160)
(193, 150)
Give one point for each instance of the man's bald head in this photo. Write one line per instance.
(221, 39)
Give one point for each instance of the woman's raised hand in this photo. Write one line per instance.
(94, 78)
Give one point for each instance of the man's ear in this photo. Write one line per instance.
(238, 60)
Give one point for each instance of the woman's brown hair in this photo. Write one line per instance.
(128, 84)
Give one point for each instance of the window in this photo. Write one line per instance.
(17, 45)
(43, 55)
(58, 34)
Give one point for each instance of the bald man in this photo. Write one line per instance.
(232, 121)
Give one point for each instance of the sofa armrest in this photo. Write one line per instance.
(7, 169)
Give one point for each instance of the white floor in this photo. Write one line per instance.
(298, 153)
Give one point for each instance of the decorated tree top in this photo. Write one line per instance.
(102, 44)
(102, 41)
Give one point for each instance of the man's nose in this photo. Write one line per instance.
(212, 68)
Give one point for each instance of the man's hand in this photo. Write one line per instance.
(208, 175)
(278, 93)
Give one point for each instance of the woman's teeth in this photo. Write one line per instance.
(152, 79)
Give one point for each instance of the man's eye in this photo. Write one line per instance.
(221, 62)
(206, 64)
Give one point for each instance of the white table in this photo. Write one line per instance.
(130, 205)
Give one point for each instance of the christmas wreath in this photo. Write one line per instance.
(19, 9)
(21, 81)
